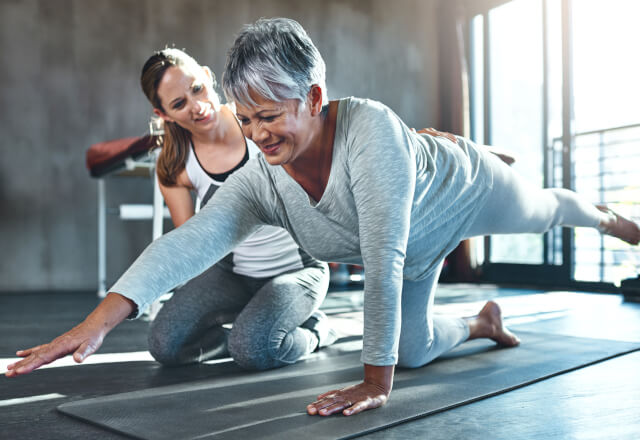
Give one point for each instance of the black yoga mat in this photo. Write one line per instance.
(271, 404)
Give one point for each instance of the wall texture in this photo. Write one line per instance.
(69, 78)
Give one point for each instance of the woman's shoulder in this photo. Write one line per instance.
(356, 105)
(183, 180)
(364, 117)
(353, 110)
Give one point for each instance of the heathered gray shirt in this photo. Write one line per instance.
(396, 202)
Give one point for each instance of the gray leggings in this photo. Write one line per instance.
(513, 206)
(266, 315)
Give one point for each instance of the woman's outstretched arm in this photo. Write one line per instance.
(168, 261)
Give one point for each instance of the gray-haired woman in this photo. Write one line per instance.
(352, 183)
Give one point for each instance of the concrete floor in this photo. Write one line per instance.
(601, 401)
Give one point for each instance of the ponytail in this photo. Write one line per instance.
(175, 142)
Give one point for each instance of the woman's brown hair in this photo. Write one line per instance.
(175, 141)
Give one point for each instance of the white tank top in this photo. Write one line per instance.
(267, 252)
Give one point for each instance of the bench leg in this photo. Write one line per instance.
(158, 219)
(102, 239)
(158, 209)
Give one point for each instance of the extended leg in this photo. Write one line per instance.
(515, 206)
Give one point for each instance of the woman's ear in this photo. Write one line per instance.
(159, 113)
(315, 99)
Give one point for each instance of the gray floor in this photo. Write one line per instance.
(601, 401)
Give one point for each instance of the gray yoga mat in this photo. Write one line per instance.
(271, 404)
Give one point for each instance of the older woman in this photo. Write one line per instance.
(352, 183)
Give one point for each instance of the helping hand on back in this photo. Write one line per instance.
(436, 133)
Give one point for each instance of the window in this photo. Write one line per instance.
(556, 81)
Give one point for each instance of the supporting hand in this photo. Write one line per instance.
(371, 393)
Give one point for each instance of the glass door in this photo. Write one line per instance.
(555, 82)
(511, 109)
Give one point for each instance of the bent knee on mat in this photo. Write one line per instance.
(253, 353)
(164, 349)
(165, 355)
(253, 360)
(411, 362)
(415, 356)
(247, 352)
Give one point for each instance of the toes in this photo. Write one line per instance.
(507, 339)
(511, 340)
(499, 332)
(620, 227)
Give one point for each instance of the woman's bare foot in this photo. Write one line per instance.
(618, 226)
(488, 324)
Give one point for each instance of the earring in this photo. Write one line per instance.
(156, 126)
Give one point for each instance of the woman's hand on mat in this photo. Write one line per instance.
(82, 340)
(370, 394)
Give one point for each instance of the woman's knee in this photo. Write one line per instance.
(162, 349)
(244, 348)
(411, 362)
(258, 352)
(412, 357)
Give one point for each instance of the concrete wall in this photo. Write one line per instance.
(69, 78)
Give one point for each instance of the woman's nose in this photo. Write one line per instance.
(258, 133)
(197, 107)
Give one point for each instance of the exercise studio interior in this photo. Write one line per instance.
(296, 219)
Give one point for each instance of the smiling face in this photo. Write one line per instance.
(188, 98)
(282, 130)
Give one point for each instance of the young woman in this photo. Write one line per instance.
(352, 183)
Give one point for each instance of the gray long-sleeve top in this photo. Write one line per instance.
(396, 202)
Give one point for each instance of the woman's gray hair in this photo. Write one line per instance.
(276, 59)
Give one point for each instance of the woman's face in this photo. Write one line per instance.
(188, 98)
(280, 129)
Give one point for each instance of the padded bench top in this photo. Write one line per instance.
(105, 157)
